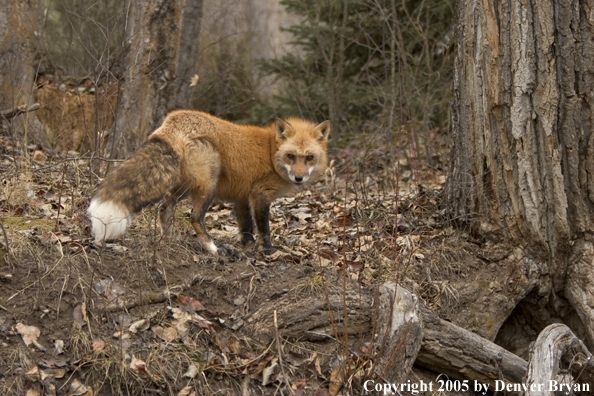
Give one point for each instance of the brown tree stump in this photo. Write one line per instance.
(401, 332)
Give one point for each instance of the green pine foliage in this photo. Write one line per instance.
(372, 60)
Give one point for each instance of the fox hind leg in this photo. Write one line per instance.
(167, 208)
(202, 199)
(203, 167)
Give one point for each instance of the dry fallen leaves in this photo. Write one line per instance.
(35, 374)
(59, 346)
(77, 388)
(305, 227)
(139, 325)
(98, 345)
(138, 366)
(192, 371)
(183, 319)
(79, 314)
(187, 391)
(109, 289)
(269, 373)
(314, 365)
(39, 156)
(336, 380)
(168, 334)
(30, 334)
(299, 388)
(188, 304)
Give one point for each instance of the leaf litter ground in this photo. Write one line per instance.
(152, 314)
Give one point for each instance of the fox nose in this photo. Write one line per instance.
(298, 179)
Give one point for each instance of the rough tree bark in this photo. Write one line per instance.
(20, 58)
(459, 353)
(402, 326)
(558, 352)
(415, 333)
(523, 167)
(18, 23)
(162, 58)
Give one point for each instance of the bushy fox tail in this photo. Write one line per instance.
(138, 182)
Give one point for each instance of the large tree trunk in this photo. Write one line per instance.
(162, 56)
(522, 167)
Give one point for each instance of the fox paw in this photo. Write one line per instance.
(213, 249)
(268, 250)
(225, 250)
(248, 240)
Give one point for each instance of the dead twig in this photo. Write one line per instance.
(9, 114)
(60, 196)
(5, 236)
(164, 295)
(75, 159)
(280, 354)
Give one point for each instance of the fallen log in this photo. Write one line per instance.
(315, 317)
(323, 318)
(462, 354)
(445, 347)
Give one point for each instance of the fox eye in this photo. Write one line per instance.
(291, 157)
(309, 158)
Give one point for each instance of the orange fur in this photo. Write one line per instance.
(200, 156)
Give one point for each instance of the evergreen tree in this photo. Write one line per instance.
(354, 58)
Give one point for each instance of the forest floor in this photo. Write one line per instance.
(151, 314)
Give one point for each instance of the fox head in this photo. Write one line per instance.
(301, 154)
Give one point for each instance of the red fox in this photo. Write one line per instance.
(197, 155)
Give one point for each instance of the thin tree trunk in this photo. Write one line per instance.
(162, 57)
(18, 24)
(20, 58)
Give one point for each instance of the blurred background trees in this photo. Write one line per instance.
(369, 66)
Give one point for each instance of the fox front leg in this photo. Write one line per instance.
(262, 217)
(245, 222)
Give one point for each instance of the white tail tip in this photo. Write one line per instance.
(109, 219)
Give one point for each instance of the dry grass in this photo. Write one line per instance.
(16, 191)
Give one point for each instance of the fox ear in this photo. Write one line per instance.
(322, 131)
(281, 127)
